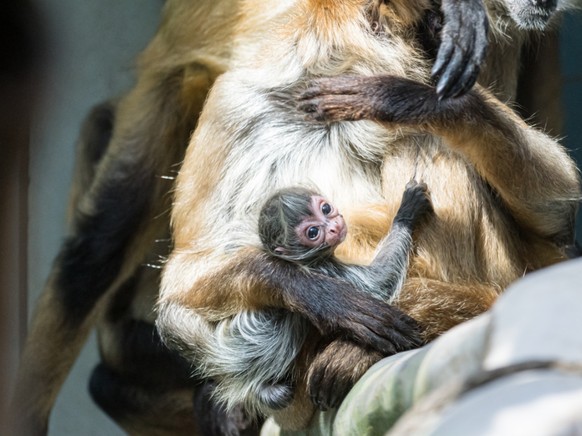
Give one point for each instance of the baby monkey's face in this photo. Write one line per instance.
(325, 225)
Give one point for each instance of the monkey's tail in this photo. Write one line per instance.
(247, 355)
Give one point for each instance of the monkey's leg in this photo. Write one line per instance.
(335, 370)
(112, 228)
(92, 145)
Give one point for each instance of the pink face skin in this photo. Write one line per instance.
(326, 225)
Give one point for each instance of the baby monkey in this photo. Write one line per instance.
(300, 226)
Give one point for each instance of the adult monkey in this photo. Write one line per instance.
(98, 277)
(496, 215)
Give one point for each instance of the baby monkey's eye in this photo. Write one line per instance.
(313, 232)
(326, 208)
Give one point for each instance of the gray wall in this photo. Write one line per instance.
(91, 50)
(92, 47)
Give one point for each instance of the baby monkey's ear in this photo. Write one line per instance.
(282, 251)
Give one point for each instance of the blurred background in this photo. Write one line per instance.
(70, 55)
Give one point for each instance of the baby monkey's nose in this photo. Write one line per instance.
(333, 226)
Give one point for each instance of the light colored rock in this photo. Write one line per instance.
(539, 318)
(529, 404)
(455, 356)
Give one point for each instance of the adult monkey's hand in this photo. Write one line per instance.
(463, 46)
